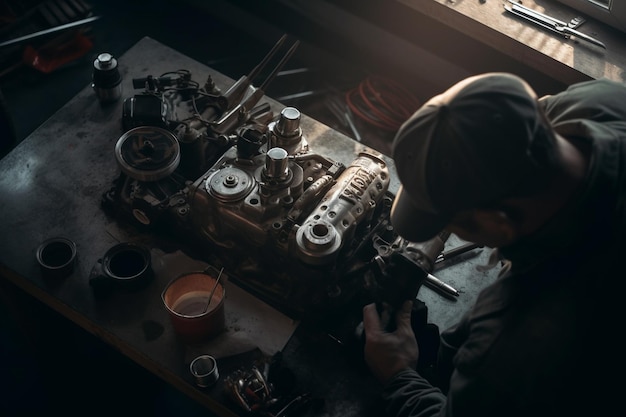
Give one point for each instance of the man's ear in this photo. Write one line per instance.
(512, 212)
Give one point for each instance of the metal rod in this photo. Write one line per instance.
(280, 65)
(255, 71)
(213, 290)
(49, 31)
(437, 284)
(538, 15)
(459, 250)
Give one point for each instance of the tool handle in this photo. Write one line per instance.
(580, 35)
(437, 284)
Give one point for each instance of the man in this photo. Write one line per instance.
(544, 181)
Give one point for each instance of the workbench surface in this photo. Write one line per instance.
(52, 185)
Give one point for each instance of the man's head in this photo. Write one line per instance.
(481, 142)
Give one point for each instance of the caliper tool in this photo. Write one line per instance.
(548, 22)
(245, 94)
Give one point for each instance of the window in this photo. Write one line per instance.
(611, 12)
(602, 3)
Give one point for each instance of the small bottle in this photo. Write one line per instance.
(106, 79)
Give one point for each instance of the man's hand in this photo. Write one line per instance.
(389, 353)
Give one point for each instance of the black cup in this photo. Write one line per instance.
(56, 257)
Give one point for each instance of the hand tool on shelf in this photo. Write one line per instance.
(548, 22)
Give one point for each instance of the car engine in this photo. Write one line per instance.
(221, 173)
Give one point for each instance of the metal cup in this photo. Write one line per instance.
(194, 317)
(57, 257)
(204, 370)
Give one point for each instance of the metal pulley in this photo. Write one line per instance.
(229, 184)
(148, 153)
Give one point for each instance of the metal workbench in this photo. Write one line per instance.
(52, 185)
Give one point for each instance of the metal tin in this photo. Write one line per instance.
(57, 257)
(204, 370)
(127, 264)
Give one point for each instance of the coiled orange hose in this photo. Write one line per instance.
(382, 102)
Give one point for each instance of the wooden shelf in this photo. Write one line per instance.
(567, 60)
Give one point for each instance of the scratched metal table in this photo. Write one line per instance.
(52, 184)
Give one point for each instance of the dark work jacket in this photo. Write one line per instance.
(546, 338)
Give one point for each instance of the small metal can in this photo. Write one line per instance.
(57, 257)
(106, 78)
(204, 370)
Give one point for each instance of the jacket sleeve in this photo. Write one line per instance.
(599, 100)
(462, 388)
(408, 394)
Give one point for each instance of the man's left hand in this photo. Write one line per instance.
(388, 353)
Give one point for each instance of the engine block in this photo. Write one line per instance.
(289, 224)
(241, 188)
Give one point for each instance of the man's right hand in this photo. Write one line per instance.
(389, 353)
